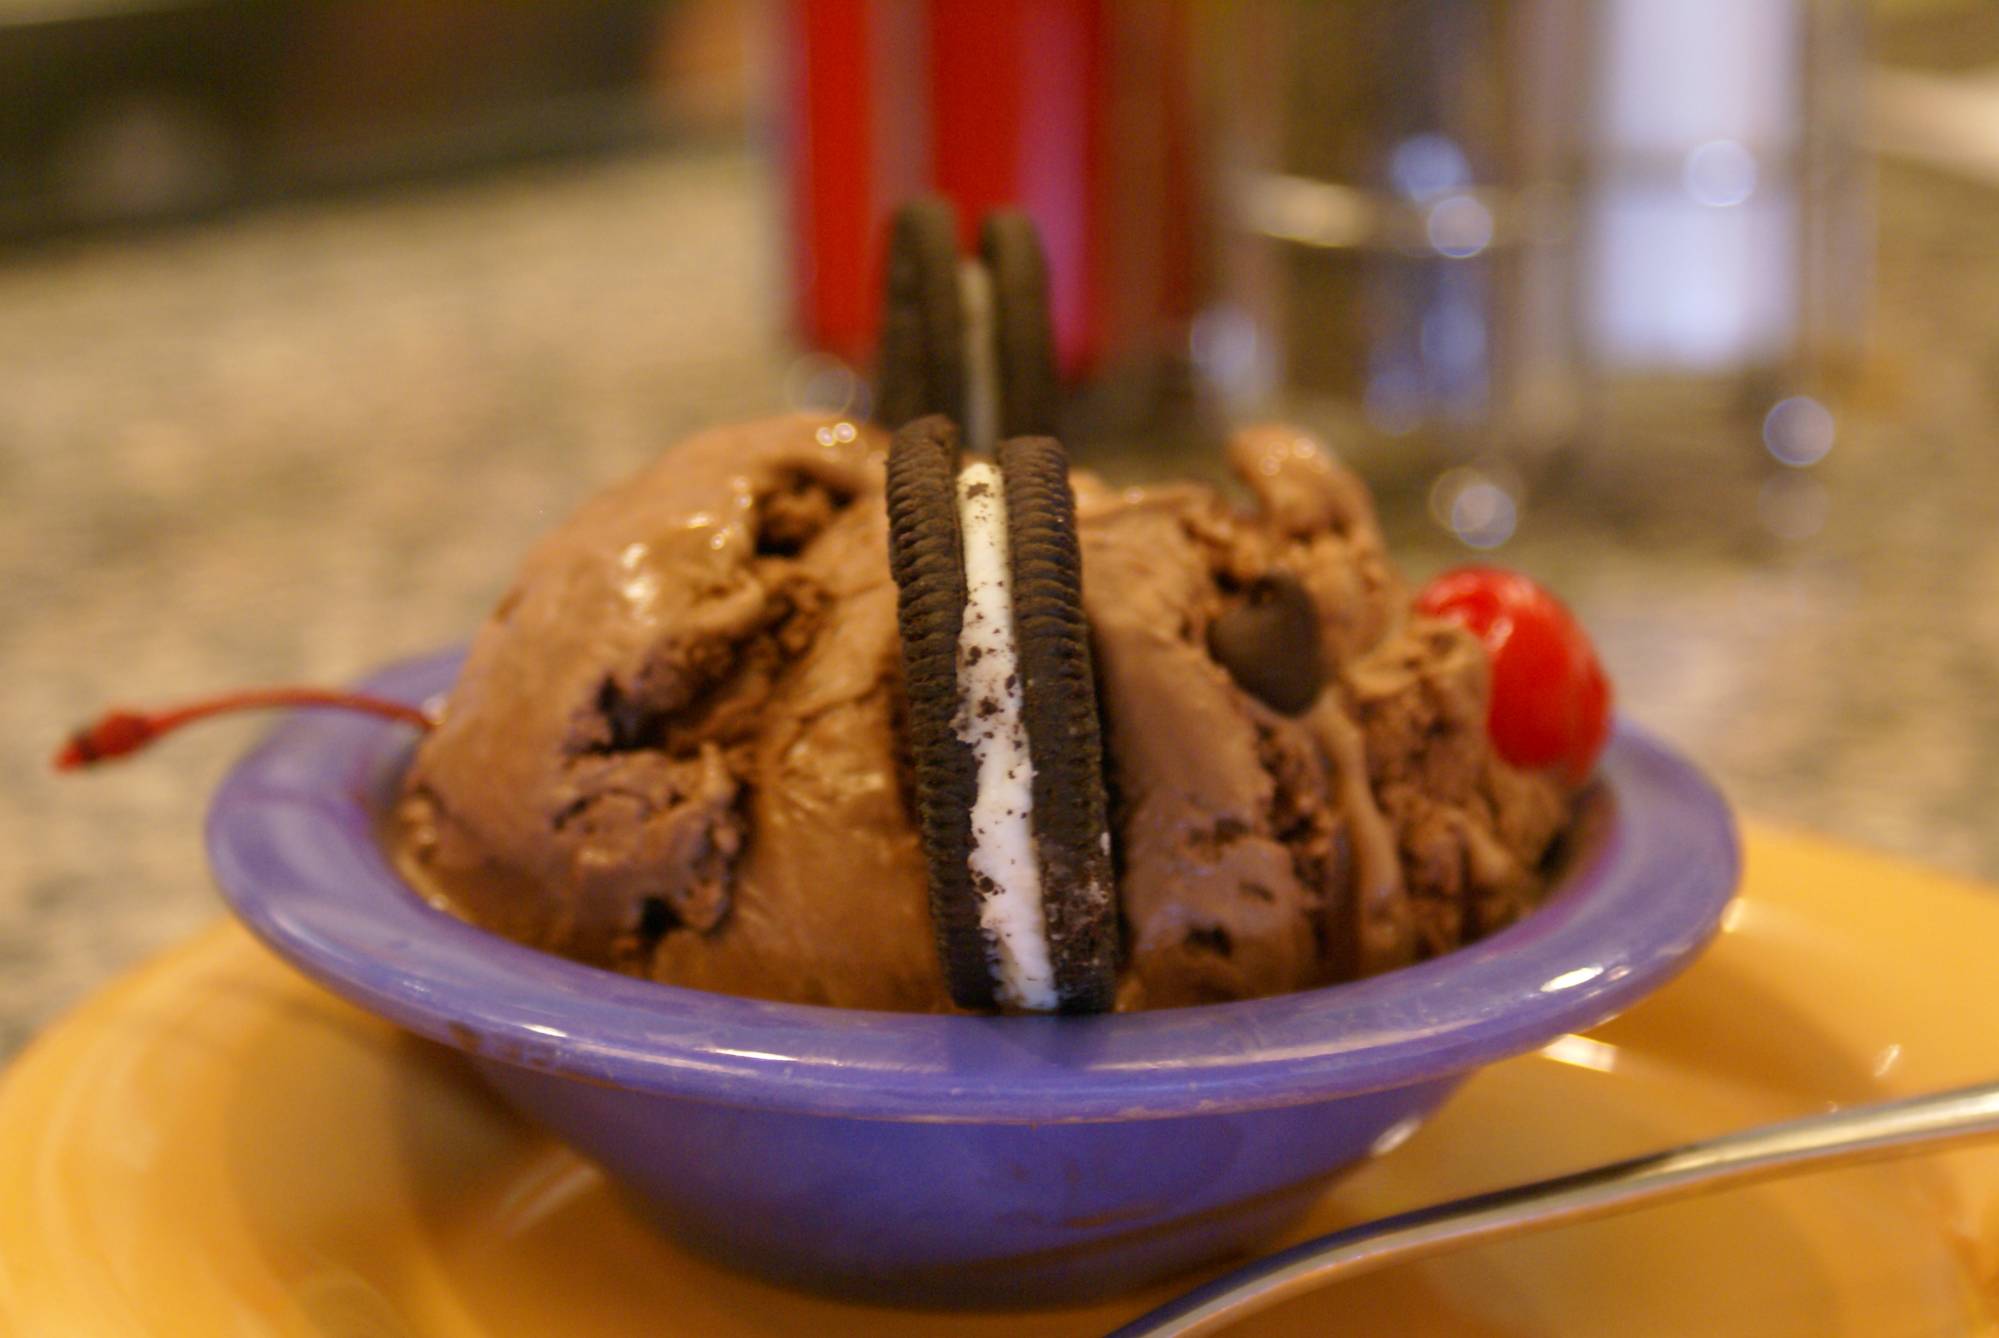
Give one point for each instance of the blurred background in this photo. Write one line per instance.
(312, 316)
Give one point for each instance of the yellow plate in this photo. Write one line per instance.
(214, 1146)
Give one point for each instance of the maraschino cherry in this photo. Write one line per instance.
(1550, 698)
(120, 732)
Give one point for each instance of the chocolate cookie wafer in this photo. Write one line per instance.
(1006, 741)
(1023, 335)
(922, 356)
(1059, 709)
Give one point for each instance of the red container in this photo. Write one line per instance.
(1079, 111)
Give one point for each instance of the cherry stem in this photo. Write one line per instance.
(120, 732)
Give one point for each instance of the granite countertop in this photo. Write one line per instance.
(291, 445)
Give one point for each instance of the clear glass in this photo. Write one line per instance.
(1472, 242)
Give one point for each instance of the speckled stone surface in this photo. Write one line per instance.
(291, 445)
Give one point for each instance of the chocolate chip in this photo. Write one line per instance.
(793, 511)
(628, 723)
(1212, 938)
(1269, 643)
(655, 918)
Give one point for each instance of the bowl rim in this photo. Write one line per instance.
(293, 841)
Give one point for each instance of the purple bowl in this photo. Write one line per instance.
(957, 1160)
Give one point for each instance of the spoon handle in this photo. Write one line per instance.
(1842, 1138)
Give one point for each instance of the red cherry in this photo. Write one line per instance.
(1550, 699)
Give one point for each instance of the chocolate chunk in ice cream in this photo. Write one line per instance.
(1269, 643)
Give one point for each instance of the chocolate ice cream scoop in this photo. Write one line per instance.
(675, 746)
(678, 747)
(1274, 845)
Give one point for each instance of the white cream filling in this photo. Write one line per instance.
(1005, 873)
(975, 300)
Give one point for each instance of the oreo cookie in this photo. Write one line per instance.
(967, 337)
(1003, 721)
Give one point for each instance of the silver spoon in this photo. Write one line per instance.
(1843, 1138)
